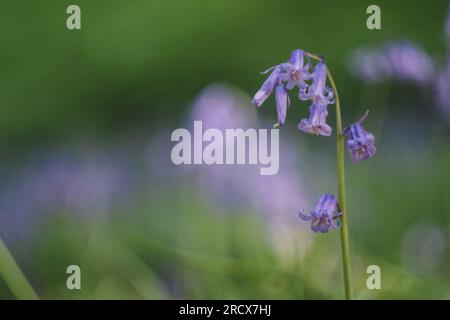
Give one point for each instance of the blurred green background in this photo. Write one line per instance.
(86, 177)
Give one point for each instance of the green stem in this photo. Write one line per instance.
(341, 196)
(13, 276)
(345, 246)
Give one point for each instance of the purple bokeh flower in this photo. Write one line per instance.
(370, 65)
(409, 62)
(318, 92)
(442, 88)
(221, 107)
(92, 185)
(65, 179)
(360, 143)
(402, 60)
(324, 215)
(316, 123)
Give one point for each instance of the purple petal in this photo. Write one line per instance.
(267, 88)
(320, 78)
(316, 122)
(360, 143)
(335, 223)
(282, 102)
(297, 59)
(363, 118)
(315, 225)
(409, 62)
(329, 204)
(304, 217)
(324, 215)
(304, 94)
(323, 227)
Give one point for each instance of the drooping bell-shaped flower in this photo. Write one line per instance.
(298, 73)
(324, 215)
(316, 123)
(360, 143)
(285, 76)
(282, 101)
(318, 92)
(267, 88)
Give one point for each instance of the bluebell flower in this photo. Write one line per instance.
(316, 123)
(284, 76)
(321, 97)
(267, 88)
(325, 214)
(318, 92)
(360, 143)
(298, 73)
(282, 100)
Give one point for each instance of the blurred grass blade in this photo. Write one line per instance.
(14, 277)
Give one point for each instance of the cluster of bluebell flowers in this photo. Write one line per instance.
(295, 73)
(298, 72)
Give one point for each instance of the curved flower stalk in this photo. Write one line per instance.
(330, 211)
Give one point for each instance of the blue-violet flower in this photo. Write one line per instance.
(282, 100)
(298, 72)
(360, 143)
(324, 215)
(318, 92)
(267, 88)
(294, 73)
(316, 123)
